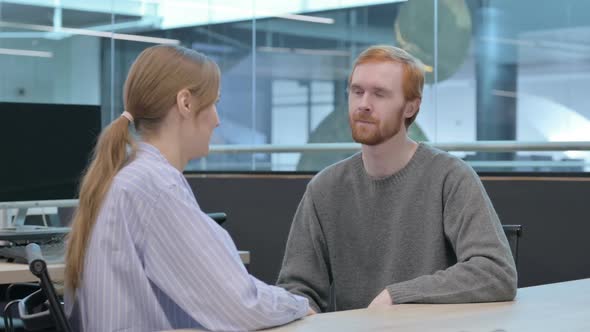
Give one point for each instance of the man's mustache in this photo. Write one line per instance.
(364, 118)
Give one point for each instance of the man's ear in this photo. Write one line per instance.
(183, 102)
(412, 108)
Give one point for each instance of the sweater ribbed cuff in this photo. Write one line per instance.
(402, 293)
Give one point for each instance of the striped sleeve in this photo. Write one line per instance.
(195, 262)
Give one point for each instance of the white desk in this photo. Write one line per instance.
(13, 272)
(555, 307)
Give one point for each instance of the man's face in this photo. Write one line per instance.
(376, 103)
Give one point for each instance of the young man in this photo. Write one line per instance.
(399, 222)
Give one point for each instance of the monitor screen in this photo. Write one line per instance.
(44, 148)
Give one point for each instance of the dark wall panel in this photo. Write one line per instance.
(554, 212)
(260, 211)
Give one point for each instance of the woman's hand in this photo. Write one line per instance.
(383, 299)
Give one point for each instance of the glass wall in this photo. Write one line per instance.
(513, 72)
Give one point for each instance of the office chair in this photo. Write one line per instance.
(41, 310)
(13, 293)
(219, 217)
(513, 234)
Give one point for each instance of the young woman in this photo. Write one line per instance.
(142, 256)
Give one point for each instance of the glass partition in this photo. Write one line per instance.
(504, 72)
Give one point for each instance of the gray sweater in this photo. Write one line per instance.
(428, 233)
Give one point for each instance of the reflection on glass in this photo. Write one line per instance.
(496, 70)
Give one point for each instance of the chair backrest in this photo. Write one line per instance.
(513, 234)
(219, 217)
(38, 267)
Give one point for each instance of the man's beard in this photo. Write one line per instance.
(372, 133)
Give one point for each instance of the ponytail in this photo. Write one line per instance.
(110, 154)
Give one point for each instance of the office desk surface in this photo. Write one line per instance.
(13, 272)
(554, 307)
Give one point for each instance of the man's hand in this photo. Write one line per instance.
(383, 299)
(310, 312)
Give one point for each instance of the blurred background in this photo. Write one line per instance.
(506, 71)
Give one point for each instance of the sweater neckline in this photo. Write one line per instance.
(418, 157)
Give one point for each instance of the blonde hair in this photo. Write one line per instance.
(413, 70)
(152, 84)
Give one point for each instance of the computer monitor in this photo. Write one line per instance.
(44, 149)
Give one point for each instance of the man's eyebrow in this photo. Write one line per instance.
(381, 89)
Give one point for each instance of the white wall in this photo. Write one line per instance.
(565, 93)
(70, 76)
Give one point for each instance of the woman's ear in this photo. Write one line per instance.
(184, 101)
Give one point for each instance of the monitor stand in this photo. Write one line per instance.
(14, 231)
(21, 216)
(34, 216)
